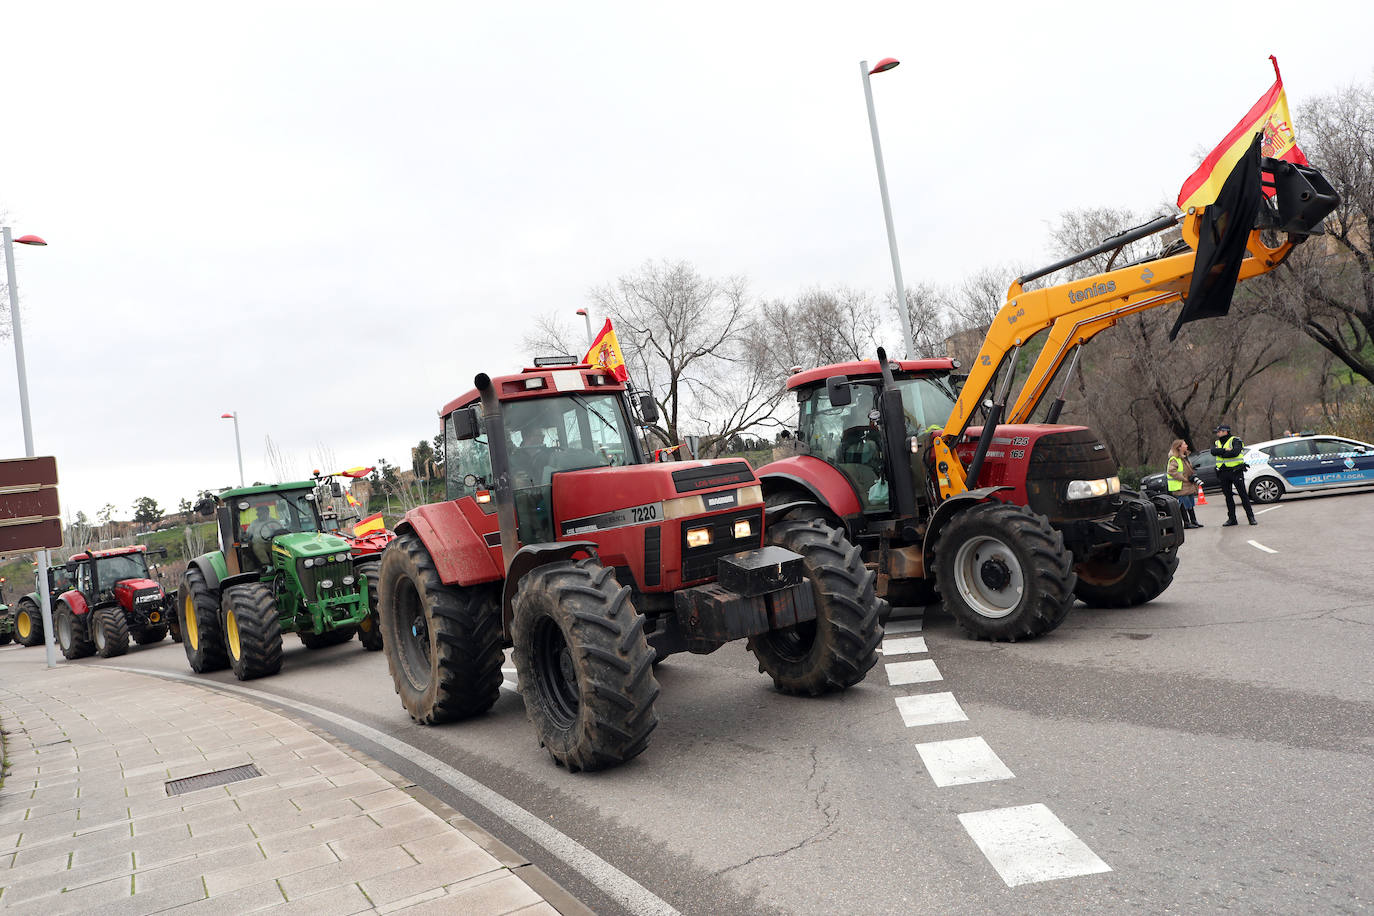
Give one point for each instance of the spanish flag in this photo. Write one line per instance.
(1268, 117)
(605, 353)
(369, 525)
(355, 473)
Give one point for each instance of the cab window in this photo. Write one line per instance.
(463, 457)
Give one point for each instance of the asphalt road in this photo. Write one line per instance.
(1214, 749)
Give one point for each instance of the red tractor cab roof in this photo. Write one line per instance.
(542, 381)
(869, 368)
(112, 552)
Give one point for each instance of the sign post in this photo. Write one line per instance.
(30, 520)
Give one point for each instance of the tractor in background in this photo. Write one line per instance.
(278, 571)
(27, 612)
(7, 621)
(366, 537)
(111, 597)
(562, 540)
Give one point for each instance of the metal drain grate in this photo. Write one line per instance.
(209, 780)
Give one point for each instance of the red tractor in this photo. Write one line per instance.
(113, 596)
(562, 539)
(366, 538)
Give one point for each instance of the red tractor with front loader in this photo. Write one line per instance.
(987, 498)
(563, 540)
(112, 597)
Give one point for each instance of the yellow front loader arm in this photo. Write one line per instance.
(1077, 311)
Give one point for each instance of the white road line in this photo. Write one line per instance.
(1029, 844)
(930, 709)
(918, 672)
(909, 645)
(625, 890)
(512, 686)
(961, 761)
(1270, 509)
(1260, 546)
(894, 627)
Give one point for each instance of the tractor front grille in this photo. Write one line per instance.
(700, 562)
(312, 578)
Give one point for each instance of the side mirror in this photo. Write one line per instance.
(648, 410)
(466, 424)
(336, 489)
(838, 390)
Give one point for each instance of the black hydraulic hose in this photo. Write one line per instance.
(984, 440)
(1158, 224)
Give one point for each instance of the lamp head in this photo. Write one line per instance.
(30, 240)
(887, 63)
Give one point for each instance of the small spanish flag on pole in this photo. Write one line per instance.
(605, 353)
(1269, 117)
(371, 524)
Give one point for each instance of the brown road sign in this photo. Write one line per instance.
(30, 518)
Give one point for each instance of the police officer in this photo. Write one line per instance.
(1231, 472)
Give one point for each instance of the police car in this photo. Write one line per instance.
(1299, 464)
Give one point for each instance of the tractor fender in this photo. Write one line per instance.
(208, 571)
(460, 554)
(240, 579)
(811, 476)
(531, 557)
(779, 511)
(947, 510)
(74, 600)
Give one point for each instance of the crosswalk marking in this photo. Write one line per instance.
(917, 672)
(894, 627)
(930, 709)
(962, 761)
(909, 645)
(1029, 844)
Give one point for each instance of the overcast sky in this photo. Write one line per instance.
(329, 216)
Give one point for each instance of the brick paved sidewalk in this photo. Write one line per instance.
(86, 822)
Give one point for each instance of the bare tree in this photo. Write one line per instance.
(819, 327)
(551, 336)
(280, 462)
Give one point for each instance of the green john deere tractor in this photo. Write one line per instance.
(277, 572)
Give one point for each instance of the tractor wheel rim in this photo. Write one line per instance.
(555, 676)
(64, 631)
(189, 630)
(413, 628)
(231, 633)
(23, 625)
(98, 632)
(989, 577)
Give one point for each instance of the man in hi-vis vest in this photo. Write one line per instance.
(1228, 450)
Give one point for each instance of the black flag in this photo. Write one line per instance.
(1225, 228)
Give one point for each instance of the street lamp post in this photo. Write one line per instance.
(234, 415)
(887, 63)
(588, 318)
(17, 325)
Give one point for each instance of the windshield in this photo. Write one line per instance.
(926, 402)
(280, 512)
(109, 570)
(567, 433)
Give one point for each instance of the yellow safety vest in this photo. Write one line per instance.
(1236, 462)
(1175, 485)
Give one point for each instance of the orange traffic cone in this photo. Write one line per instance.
(1201, 497)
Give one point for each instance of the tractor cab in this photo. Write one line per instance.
(255, 522)
(840, 421)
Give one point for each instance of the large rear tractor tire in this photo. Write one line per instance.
(585, 667)
(198, 617)
(442, 643)
(173, 619)
(1004, 572)
(370, 629)
(837, 649)
(252, 632)
(109, 631)
(146, 636)
(28, 624)
(73, 633)
(6, 637)
(1126, 584)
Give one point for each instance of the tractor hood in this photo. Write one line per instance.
(142, 591)
(610, 497)
(303, 544)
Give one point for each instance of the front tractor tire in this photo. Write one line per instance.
(28, 623)
(585, 667)
(442, 643)
(252, 632)
(73, 632)
(146, 636)
(837, 649)
(328, 638)
(1128, 584)
(1004, 573)
(109, 631)
(198, 620)
(370, 629)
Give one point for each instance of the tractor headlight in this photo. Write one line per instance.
(743, 529)
(340, 557)
(308, 562)
(326, 583)
(698, 537)
(1088, 489)
(349, 580)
